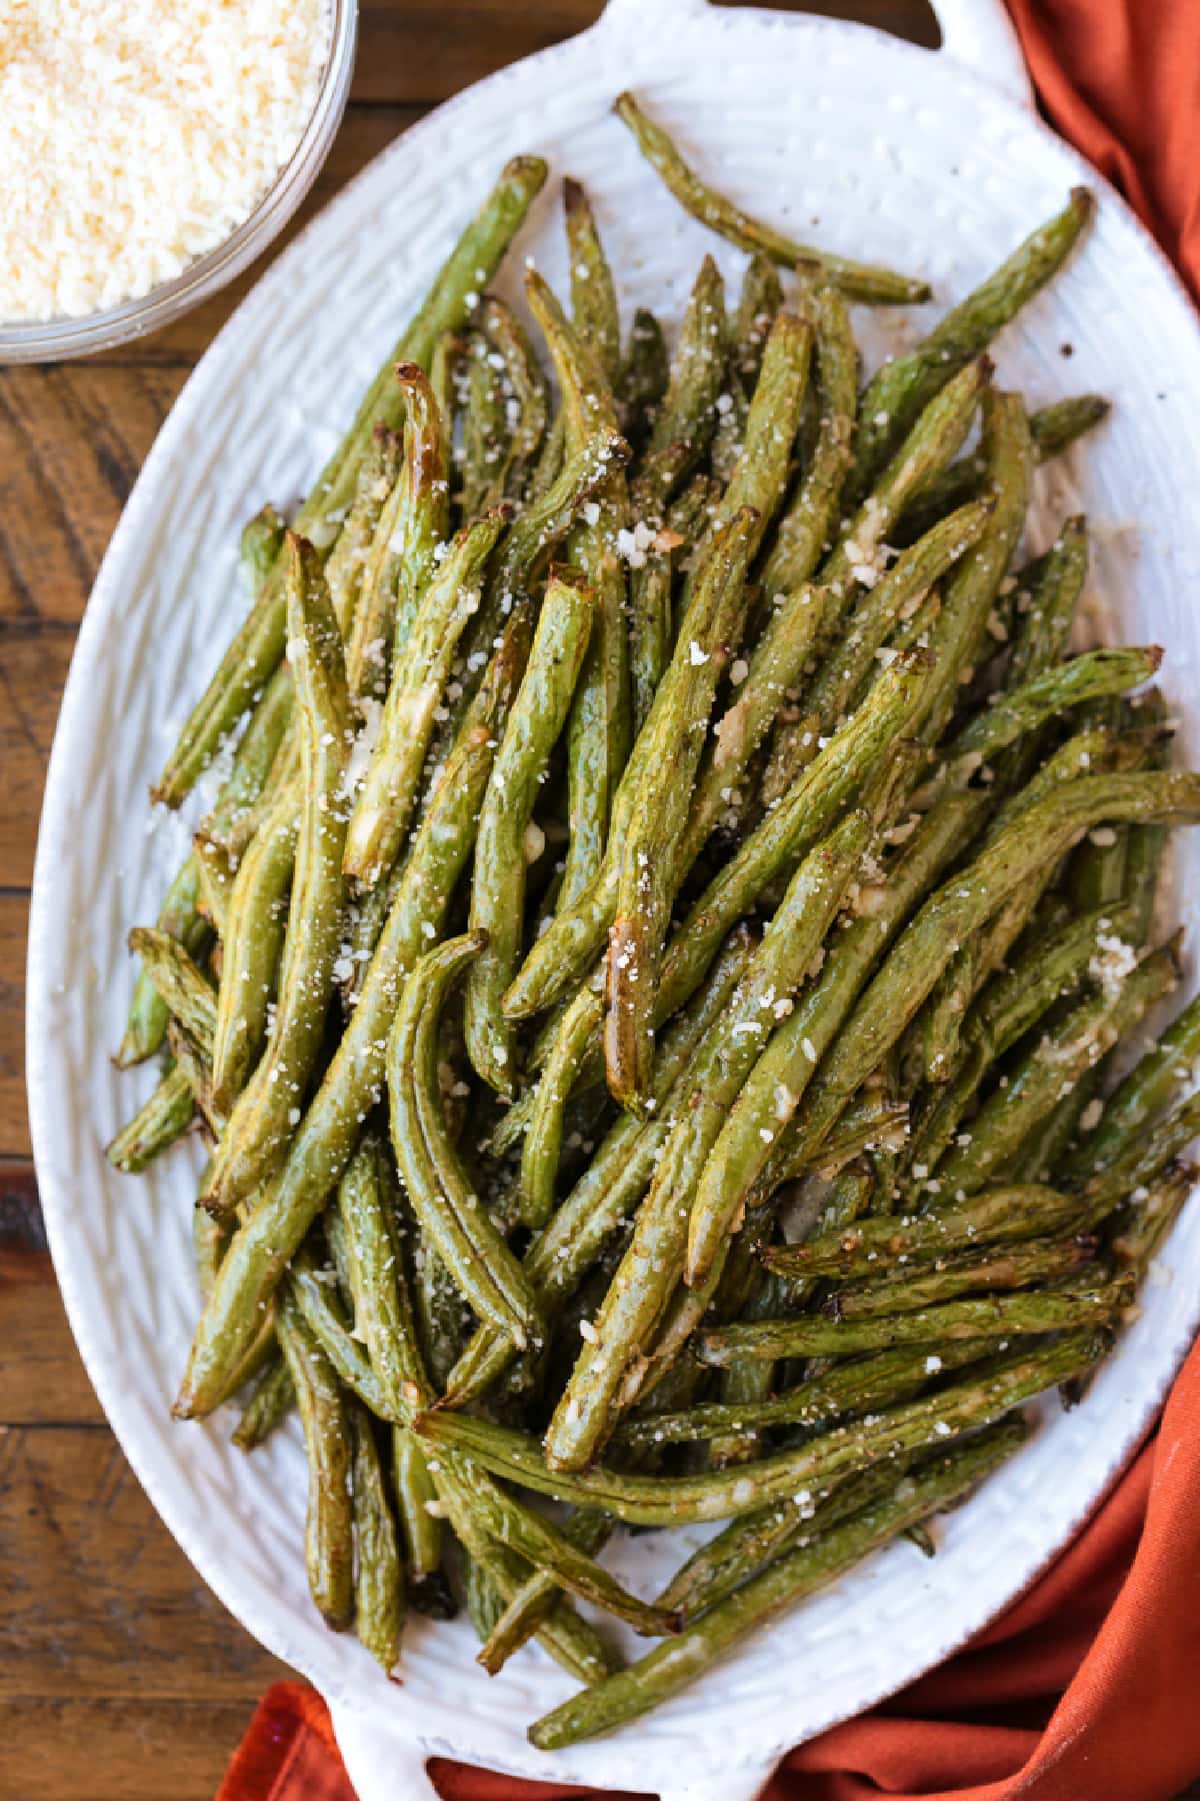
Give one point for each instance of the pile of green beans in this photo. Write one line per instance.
(651, 974)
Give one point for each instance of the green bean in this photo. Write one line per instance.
(905, 384)
(593, 296)
(652, 621)
(610, 1188)
(994, 1316)
(1053, 965)
(1005, 1214)
(961, 626)
(347, 559)
(753, 1138)
(537, 718)
(179, 917)
(537, 528)
(684, 423)
(933, 440)
(527, 388)
(186, 991)
(964, 903)
(936, 1034)
(439, 1313)
(1141, 1165)
(875, 1122)
(214, 880)
(724, 1494)
(858, 281)
(330, 1130)
(761, 297)
(1151, 1213)
(319, 1301)
(329, 1529)
(809, 520)
(209, 1239)
(564, 953)
(522, 1530)
(849, 666)
(255, 925)
(787, 832)
(985, 951)
(259, 645)
(487, 433)
(233, 819)
(446, 380)
(273, 1398)
(880, 1380)
(530, 1606)
(382, 1306)
(642, 379)
(1095, 675)
(1070, 1048)
(1146, 843)
(1039, 1261)
(1048, 593)
(160, 1120)
(1090, 751)
(261, 1120)
(196, 1066)
(1045, 1146)
(570, 1641)
(855, 558)
(814, 1563)
(747, 1544)
(599, 728)
(653, 1262)
(652, 854)
(542, 1148)
(388, 797)
(849, 1196)
(379, 1600)
(1095, 875)
(1053, 428)
(458, 1227)
(421, 1532)
(412, 524)
(1148, 1089)
(484, 1602)
(760, 474)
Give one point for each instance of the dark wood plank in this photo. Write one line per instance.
(124, 1747)
(406, 55)
(14, 1125)
(33, 669)
(93, 1580)
(72, 439)
(42, 1381)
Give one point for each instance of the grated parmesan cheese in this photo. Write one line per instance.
(134, 138)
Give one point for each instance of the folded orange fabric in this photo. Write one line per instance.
(1120, 79)
(1085, 1688)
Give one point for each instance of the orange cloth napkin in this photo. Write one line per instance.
(1086, 1687)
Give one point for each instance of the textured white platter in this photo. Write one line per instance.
(870, 147)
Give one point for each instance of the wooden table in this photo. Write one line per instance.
(116, 1664)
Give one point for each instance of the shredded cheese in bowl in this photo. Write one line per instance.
(136, 137)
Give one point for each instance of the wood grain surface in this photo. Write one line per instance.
(121, 1677)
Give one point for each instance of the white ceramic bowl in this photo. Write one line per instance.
(874, 148)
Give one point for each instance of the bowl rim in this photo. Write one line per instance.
(52, 340)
